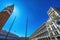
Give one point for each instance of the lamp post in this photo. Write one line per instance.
(10, 28)
(26, 28)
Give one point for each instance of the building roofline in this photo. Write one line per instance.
(38, 28)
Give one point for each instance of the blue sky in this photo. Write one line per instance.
(36, 10)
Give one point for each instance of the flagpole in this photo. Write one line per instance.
(10, 28)
(26, 28)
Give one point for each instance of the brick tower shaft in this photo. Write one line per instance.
(4, 15)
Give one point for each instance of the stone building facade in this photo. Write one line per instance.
(50, 30)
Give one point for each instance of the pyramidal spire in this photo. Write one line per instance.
(9, 9)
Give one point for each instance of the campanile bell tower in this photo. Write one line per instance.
(4, 15)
